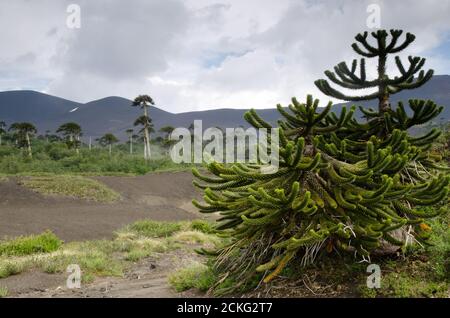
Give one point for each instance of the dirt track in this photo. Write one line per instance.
(160, 196)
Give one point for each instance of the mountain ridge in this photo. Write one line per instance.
(114, 114)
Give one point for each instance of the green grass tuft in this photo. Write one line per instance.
(11, 268)
(3, 291)
(153, 229)
(202, 226)
(196, 275)
(196, 237)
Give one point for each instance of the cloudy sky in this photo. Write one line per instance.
(199, 54)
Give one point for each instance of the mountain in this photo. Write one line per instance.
(115, 115)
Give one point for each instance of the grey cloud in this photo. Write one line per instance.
(120, 39)
(194, 54)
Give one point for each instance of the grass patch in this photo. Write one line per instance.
(10, 268)
(153, 229)
(423, 272)
(195, 275)
(3, 291)
(143, 248)
(3, 178)
(196, 237)
(74, 186)
(95, 258)
(102, 258)
(26, 245)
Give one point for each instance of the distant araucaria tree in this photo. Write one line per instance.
(130, 134)
(144, 102)
(343, 183)
(23, 132)
(2, 130)
(108, 140)
(72, 133)
(166, 141)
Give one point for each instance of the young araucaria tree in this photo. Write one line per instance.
(144, 102)
(343, 183)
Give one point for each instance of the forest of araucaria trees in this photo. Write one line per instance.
(67, 149)
(347, 184)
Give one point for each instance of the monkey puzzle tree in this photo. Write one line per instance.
(130, 134)
(23, 133)
(108, 140)
(146, 123)
(72, 133)
(144, 102)
(342, 183)
(2, 130)
(166, 141)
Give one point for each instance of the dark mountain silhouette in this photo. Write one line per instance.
(114, 114)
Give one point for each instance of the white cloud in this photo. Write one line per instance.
(199, 54)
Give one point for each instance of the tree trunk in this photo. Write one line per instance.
(90, 143)
(110, 148)
(131, 145)
(76, 145)
(146, 136)
(383, 94)
(30, 154)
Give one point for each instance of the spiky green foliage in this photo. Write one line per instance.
(385, 44)
(342, 183)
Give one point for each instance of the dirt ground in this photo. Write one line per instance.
(147, 278)
(161, 196)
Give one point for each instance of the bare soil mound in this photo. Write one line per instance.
(159, 196)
